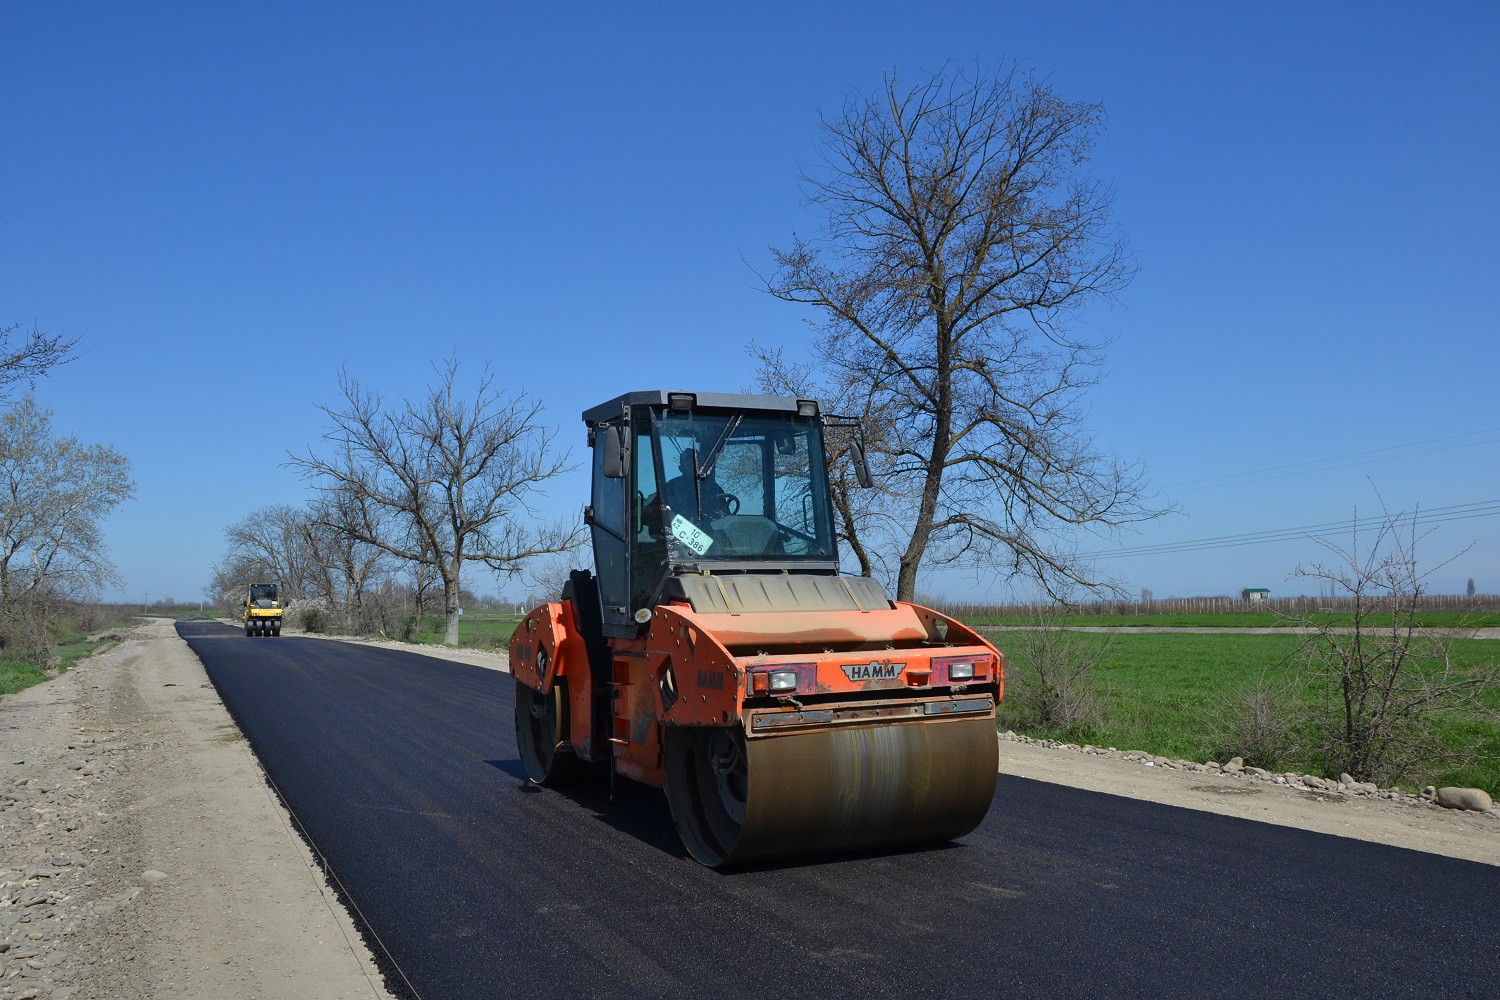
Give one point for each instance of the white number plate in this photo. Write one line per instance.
(690, 534)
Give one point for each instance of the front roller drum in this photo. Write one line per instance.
(541, 732)
(736, 800)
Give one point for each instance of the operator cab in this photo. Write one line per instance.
(705, 484)
(263, 595)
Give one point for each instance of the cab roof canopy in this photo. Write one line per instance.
(700, 400)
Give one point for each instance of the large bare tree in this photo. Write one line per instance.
(443, 480)
(960, 236)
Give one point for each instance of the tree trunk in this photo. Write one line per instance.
(851, 533)
(921, 532)
(450, 608)
(937, 461)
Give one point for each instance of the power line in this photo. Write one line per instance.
(1321, 464)
(1289, 535)
(1436, 515)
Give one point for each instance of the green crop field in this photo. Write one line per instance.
(1246, 619)
(480, 629)
(1162, 692)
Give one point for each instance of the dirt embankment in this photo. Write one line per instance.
(142, 854)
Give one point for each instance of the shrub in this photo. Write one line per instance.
(1265, 725)
(1048, 684)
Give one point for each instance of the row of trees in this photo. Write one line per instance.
(55, 493)
(407, 495)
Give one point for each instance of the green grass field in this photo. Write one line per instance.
(1247, 619)
(480, 629)
(1161, 692)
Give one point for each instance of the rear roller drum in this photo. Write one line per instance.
(736, 800)
(542, 724)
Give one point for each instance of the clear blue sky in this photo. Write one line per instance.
(231, 204)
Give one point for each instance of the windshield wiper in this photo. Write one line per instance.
(706, 468)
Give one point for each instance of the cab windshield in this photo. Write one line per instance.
(263, 596)
(741, 486)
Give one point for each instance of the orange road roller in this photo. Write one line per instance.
(717, 652)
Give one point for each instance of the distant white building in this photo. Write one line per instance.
(1255, 594)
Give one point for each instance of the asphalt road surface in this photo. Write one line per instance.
(403, 770)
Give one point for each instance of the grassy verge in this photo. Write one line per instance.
(1162, 692)
(71, 647)
(1248, 619)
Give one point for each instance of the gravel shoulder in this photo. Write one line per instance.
(1412, 823)
(142, 853)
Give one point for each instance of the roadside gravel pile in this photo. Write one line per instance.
(141, 853)
(1453, 798)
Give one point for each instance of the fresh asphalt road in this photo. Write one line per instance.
(403, 770)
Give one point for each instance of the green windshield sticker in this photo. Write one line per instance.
(690, 534)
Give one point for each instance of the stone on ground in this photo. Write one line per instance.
(1464, 798)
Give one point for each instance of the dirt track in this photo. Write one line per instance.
(143, 854)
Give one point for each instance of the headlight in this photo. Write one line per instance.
(960, 671)
(783, 680)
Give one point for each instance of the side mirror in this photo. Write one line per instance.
(616, 452)
(861, 467)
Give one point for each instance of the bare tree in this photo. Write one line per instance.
(55, 493)
(960, 237)
(277, 542)
(443, 480)
(350, 564)
(26, 357)
(1469, 587)
(1386, 681)
(546, 577)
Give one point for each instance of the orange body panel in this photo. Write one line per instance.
(691, 669)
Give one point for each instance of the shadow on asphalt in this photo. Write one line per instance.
(634, 809)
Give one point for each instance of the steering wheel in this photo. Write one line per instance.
(731, 502)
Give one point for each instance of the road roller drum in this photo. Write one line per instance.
(735, 800)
